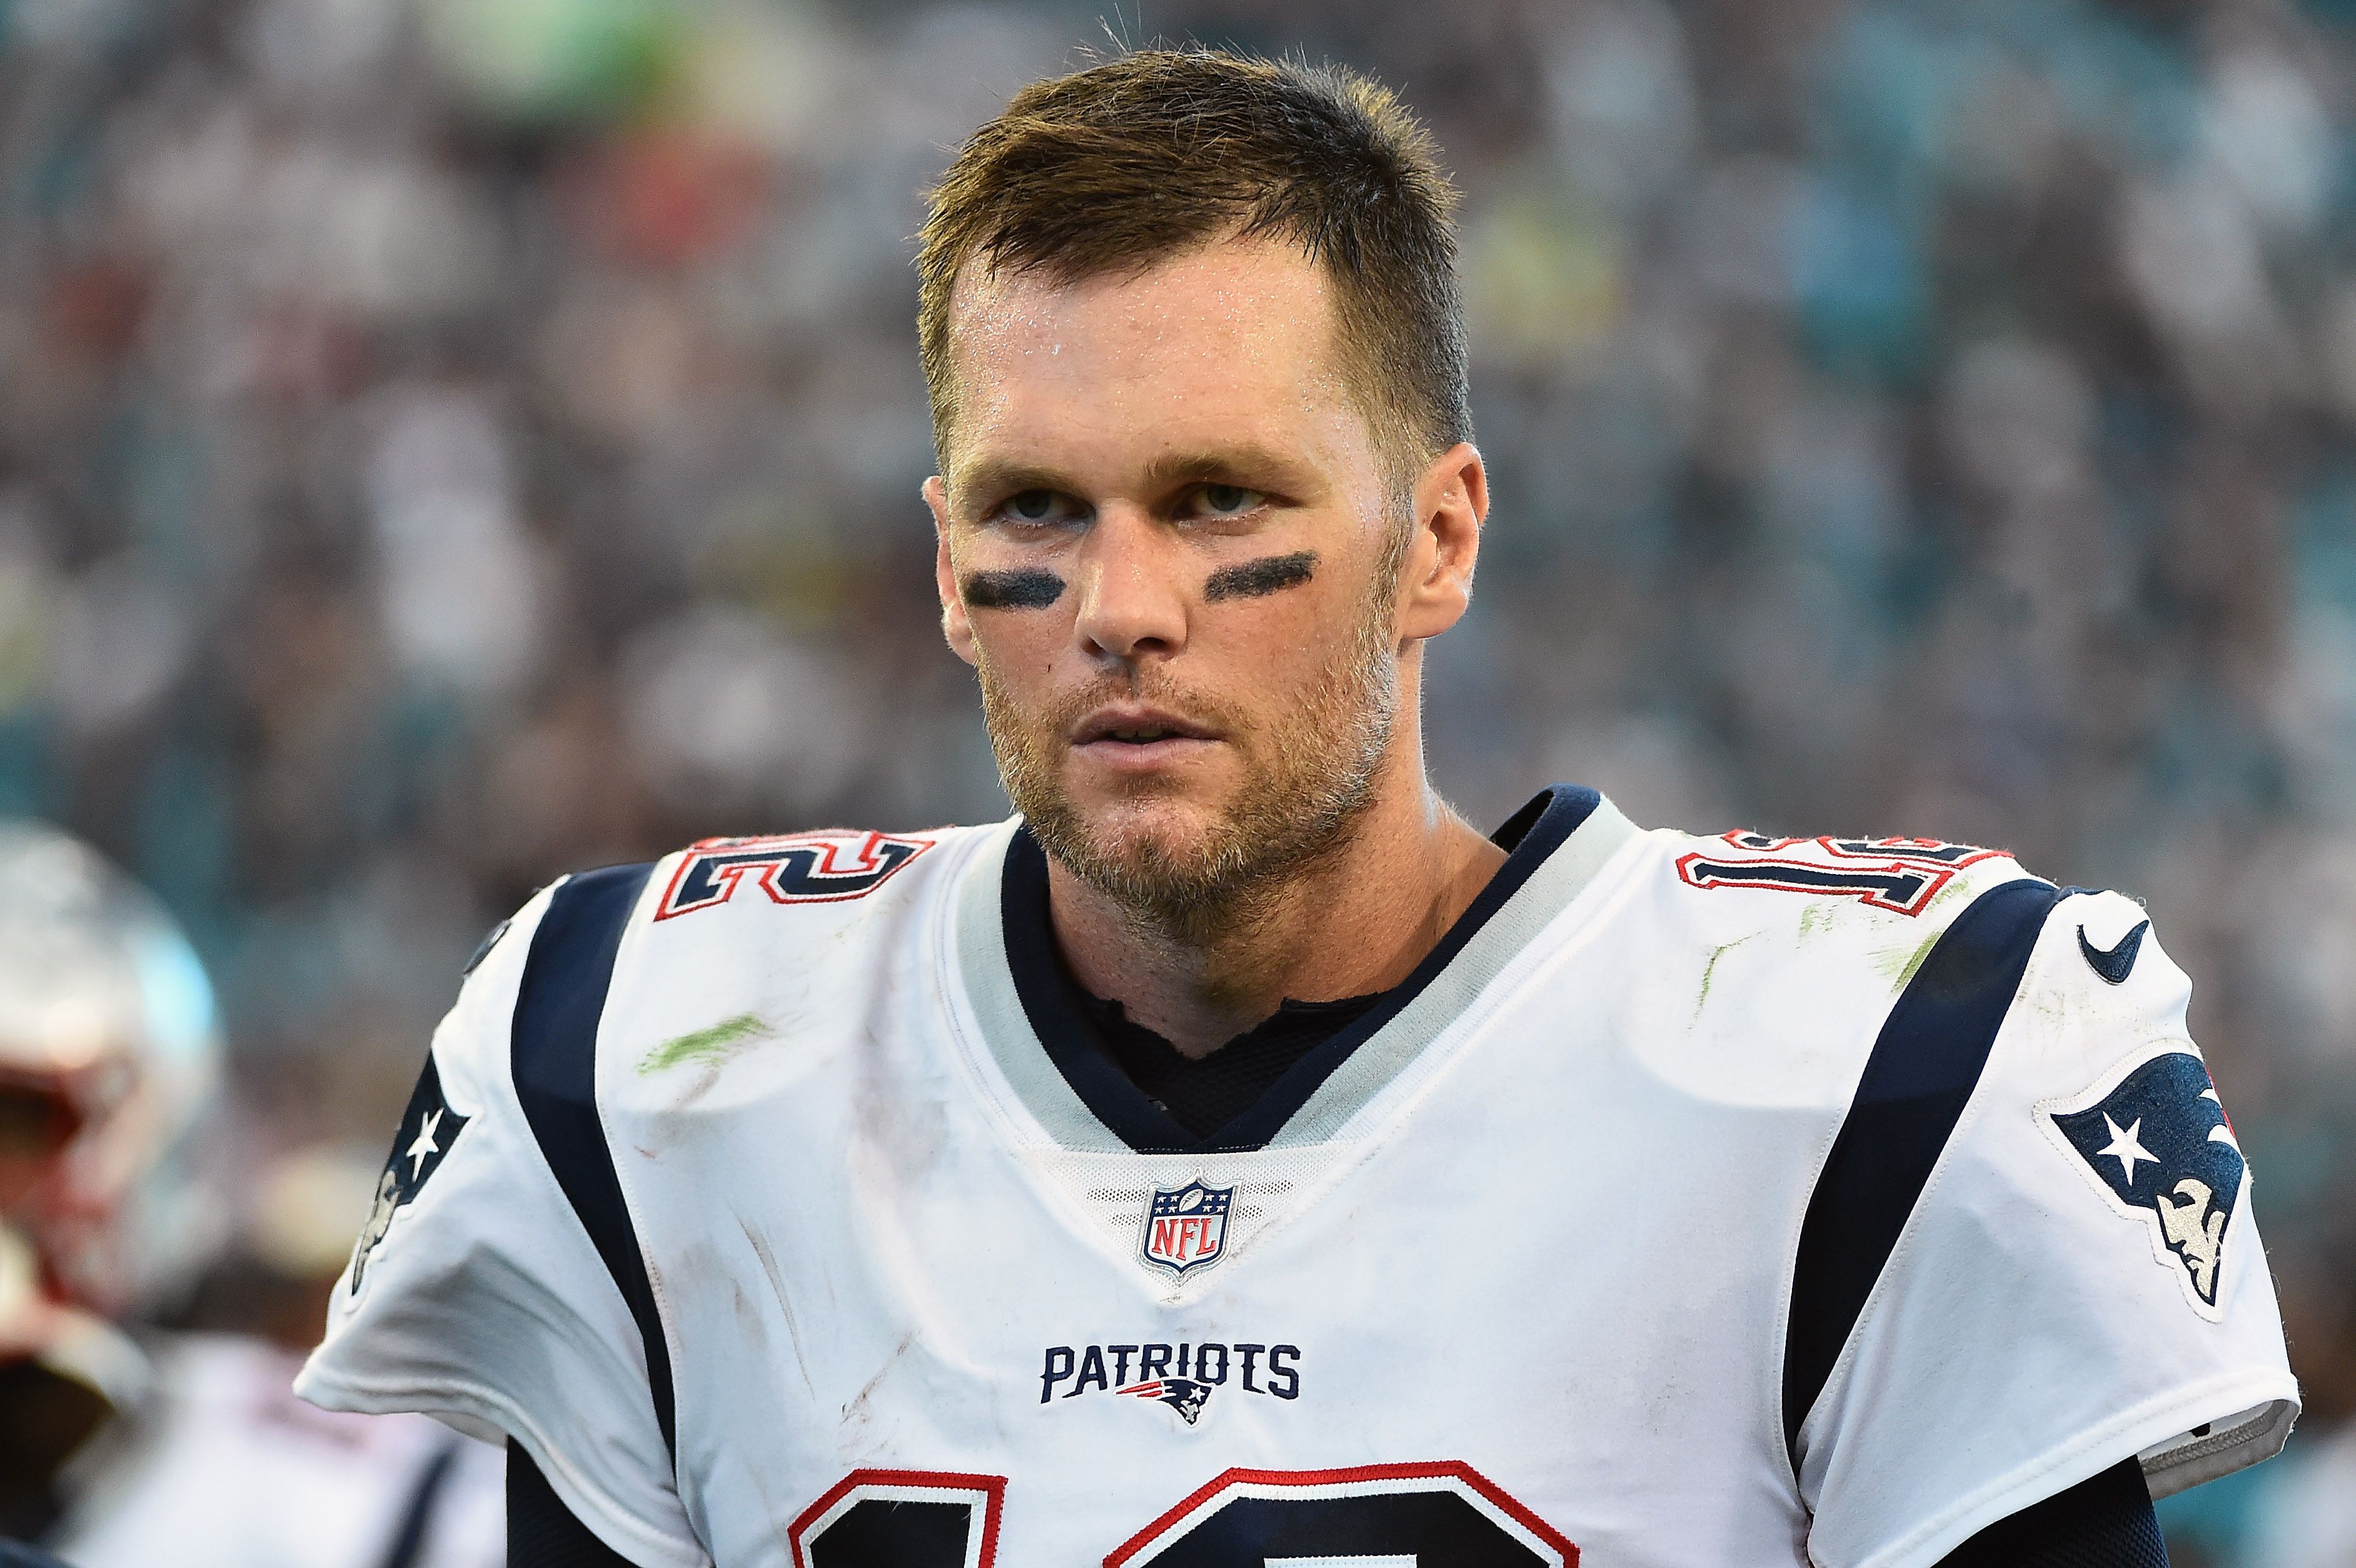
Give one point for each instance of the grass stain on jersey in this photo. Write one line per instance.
(1904, 973)
(710, 1046)
(1709, 971)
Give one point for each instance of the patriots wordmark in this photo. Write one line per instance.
(1182, 1375)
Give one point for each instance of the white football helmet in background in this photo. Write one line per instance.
(110, 1056)
(194, 1450)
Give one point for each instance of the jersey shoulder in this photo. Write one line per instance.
(842, 868)
(2081, 1174)
(1785, 957)
(658, 938)
(826, 899)
(1835, 884)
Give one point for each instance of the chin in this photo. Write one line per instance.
(1166, 825)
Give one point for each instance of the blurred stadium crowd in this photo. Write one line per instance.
(444, 444)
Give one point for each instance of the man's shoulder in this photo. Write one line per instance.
(1761, 969)
(737, 938)
(1860, 914)
(1833, 882)
(658, 944)
(773, 891)
(848, 871)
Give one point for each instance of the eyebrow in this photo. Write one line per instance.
(1269, 574)
(1263, 463)
(1028, 589)
(1248, 465)
(992, 478)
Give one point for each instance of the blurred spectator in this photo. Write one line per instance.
(126, 1449)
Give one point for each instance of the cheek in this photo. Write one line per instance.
(1018, 648)
(1278, 646)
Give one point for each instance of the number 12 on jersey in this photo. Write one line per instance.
(1396, 1516)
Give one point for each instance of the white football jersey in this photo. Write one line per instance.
(1699, 1200)
(219, 1467)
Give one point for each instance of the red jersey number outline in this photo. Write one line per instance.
(1546, 1545)
(722, 863)
(987, 1492)
(1900, 875)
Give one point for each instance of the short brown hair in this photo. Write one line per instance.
(1142, 156)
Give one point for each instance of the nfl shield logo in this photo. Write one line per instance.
(1186, 1227)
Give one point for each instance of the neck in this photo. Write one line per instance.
(1356, 921)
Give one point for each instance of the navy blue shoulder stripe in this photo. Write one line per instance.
(554, 1055)
(1915, 1085)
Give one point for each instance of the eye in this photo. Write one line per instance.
(1035, 509)
(1228, 500)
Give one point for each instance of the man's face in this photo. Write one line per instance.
(1168, 549)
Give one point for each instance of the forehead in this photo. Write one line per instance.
(1229, 343)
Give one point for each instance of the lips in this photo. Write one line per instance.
(1137, 727)
(1137, 741)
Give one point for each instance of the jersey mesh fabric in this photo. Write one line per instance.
(542, 1532)
(1204, 1094)
(2106, 1521)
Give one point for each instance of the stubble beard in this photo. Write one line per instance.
(1310, 784)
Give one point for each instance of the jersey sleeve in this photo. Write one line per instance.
(2080, 1281)
(476, 1296)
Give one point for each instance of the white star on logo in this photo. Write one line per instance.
(2123, 1146)
(425, 1144)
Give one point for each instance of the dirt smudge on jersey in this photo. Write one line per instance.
(784, 1305)
(898, 1135)
(855, 1414)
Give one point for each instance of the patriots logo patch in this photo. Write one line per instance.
(2158, 1143)
(1184, 1395)
(428, 1128)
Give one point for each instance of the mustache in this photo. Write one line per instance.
(1064, 716)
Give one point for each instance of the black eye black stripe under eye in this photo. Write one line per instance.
(1026, 590)
(1270, 574)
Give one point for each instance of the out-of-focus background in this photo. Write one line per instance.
(446, 444)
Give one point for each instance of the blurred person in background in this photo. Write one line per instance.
(121, 1445)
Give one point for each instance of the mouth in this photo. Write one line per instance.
(1129, 737)
(1137, 727)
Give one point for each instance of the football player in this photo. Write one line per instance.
(125, 1450)
(1236, 1158)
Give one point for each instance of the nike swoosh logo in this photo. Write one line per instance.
(2115, 965)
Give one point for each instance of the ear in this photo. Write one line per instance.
(957, 627)
(1451, 502)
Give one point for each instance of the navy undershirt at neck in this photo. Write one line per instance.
(1204, 1094)
(1240, 1095)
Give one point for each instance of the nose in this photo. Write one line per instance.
(1133, 593)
